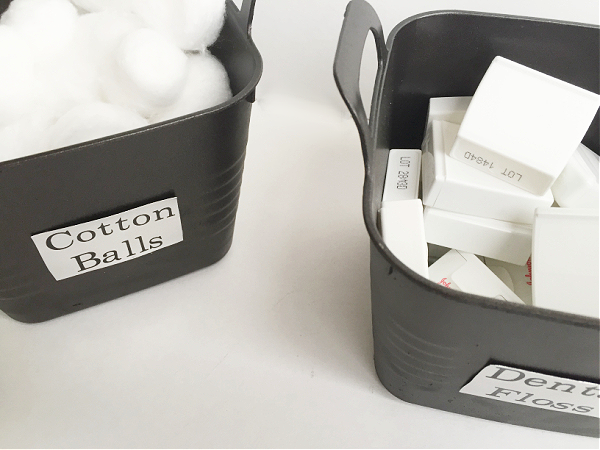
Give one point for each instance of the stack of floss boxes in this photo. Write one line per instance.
(510, 193)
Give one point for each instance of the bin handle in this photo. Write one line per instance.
(360, 19)
(246, 15)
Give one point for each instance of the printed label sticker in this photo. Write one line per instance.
(536, 390)
(97, 244)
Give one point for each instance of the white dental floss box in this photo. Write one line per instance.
(577, 185)
(523, 125)
(520, 277)
(565, 268)
(464, 272)
(403, 232)
(401, 213)
(403, 175)
(506, 241)
(450, 185)
(448, 109)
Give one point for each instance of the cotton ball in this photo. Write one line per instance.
(26, 136)
(92, 121)
(12, 145)
(149, 72)
(192, 24)
(46, 25)
(101, 5)
(69, 79)
(17, 81)
(207, 85)
(98, 34)
(64, 75)
(70, 83)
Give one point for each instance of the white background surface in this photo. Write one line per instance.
(272, 346)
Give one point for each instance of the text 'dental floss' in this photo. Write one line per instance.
(97, 244)
(536, 390)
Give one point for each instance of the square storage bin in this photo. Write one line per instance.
(194, 162)
(430, 341)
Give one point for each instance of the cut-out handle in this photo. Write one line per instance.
(359, 20)
(246, 14)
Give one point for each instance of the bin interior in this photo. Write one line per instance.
(239, 60)
(446, 54)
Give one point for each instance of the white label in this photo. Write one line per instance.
(115, 239)
(522, 387)
(402, 176)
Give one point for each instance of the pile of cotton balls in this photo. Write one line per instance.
(77, 70)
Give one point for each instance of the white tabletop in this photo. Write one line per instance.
(272, 346)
